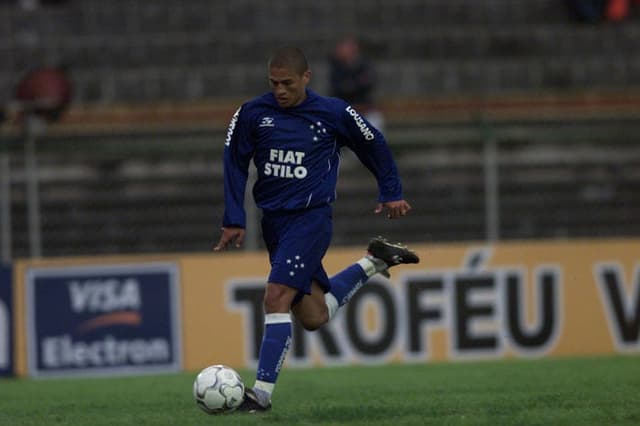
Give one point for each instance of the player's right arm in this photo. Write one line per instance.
(238, 152)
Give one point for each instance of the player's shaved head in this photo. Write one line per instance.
(290, 58)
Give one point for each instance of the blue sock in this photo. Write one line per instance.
(275, 344)
(344, 284)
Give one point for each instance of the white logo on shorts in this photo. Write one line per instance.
(297, 265)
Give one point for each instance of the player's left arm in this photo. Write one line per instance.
(370, 146)
(394, 209)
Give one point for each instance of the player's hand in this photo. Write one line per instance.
(395, 209)
(230, 235)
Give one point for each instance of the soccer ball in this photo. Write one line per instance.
(218, 389)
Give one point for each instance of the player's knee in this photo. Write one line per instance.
(277, 298)
(273, 304)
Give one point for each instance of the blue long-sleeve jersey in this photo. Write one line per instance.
(297, 154)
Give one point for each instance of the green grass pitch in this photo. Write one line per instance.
(577, 391)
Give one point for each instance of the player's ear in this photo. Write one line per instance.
(306, 76)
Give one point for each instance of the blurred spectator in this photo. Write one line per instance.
(590, 11)
(45, 91)
(352, 78)
(618, 10)
(593, 11)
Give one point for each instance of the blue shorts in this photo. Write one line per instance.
(297, 241)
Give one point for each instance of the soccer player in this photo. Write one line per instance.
(294, 137)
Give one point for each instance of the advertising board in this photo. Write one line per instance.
(6, 323)
(103, 319)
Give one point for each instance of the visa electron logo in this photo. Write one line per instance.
(110, 298)
(232, 127)
(364, 129)
(109, 302)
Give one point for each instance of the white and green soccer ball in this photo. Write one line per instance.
(218, 389)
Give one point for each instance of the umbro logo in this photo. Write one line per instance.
(266, 122)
